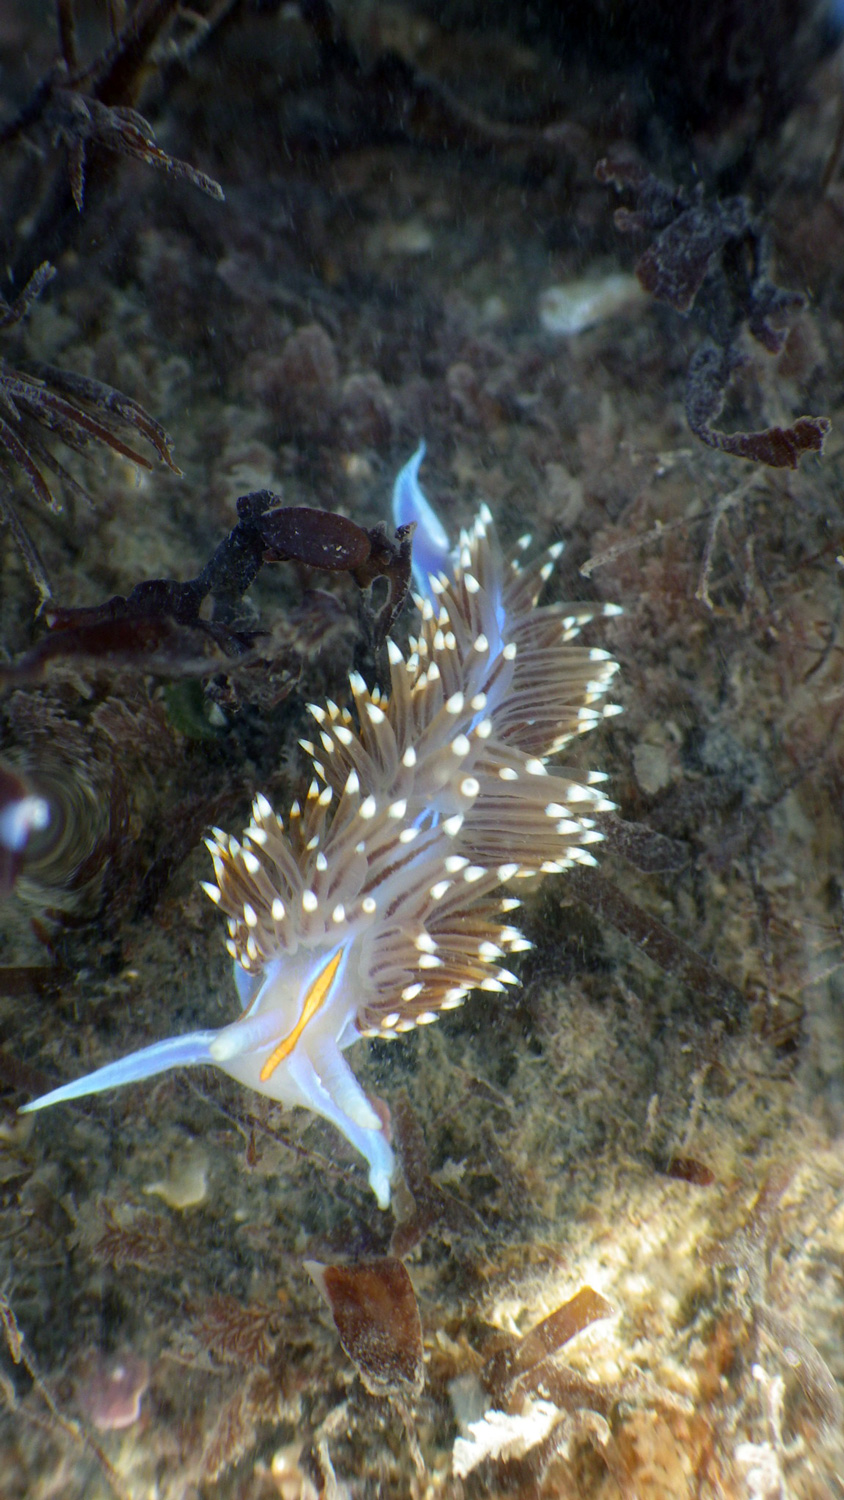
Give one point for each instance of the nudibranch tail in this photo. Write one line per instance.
(176, 1052)
(380, 903)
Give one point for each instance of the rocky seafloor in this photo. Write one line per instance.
(413, 242)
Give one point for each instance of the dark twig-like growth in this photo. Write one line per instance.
(79, 121)
(81, 106)
(73, 408)
(157, 627)
(721, 243)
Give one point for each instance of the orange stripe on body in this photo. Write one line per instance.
(314, 1000)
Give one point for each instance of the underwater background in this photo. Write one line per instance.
(593, 255)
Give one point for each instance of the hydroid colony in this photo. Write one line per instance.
(384, 900)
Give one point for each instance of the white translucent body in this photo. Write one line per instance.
(315, 1075)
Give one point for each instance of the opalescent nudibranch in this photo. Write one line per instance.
(384, 899)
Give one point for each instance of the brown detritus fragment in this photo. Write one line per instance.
(545, 1338)
(721, 242)
(433, 1207)
(569, 1390)
(689, 1169)
(530, 1367)
(658, 943)
(507, 1367)
(375, 1312)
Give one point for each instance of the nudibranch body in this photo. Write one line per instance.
(380, 904)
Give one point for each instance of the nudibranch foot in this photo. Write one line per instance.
(338, 1097)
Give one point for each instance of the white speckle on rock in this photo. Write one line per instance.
(573, 306)
(187, 1183)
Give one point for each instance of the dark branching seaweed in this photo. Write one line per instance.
(78, 122)
(76, 107)
(79, 106)
(49, 403)
(157, 627)
(719, 242)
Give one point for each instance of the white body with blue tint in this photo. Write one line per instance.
(314, 1074)
(378, 906)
